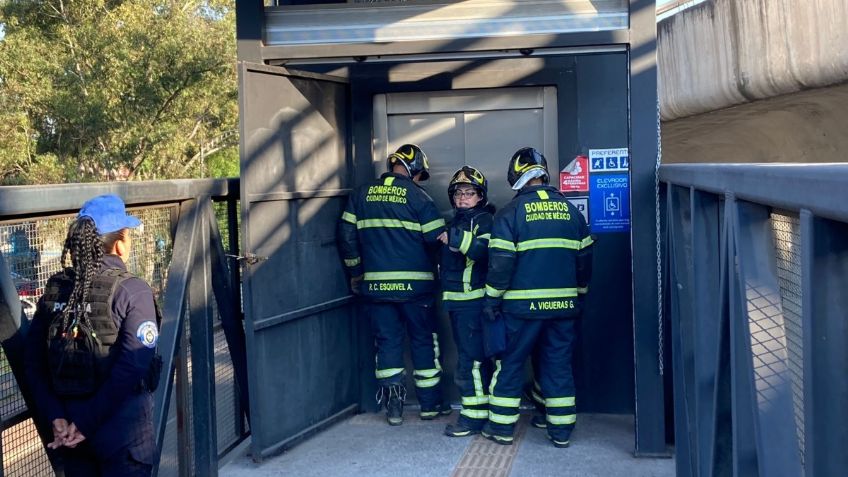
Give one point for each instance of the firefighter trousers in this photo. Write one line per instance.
(555, 341)
(473, 369)
(388, 321)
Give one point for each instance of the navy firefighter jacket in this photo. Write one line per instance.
(387, 234)
(465, 259)
(539, 256)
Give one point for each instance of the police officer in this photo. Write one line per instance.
(463, 274)
(388, 234)
(539, 255)
(91, 346)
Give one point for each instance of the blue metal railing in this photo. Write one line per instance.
(759, 382)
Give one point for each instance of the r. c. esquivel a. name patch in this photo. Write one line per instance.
(147, 334)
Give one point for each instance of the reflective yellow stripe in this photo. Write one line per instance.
(494, 292)
(504, 402)
(463, 296)
(352, 262)
(559, 402)
(583, 290)
(348, 217)
(586, 242)
(387, 223)
(466, 241)
(474, 400)
(495, 376)
(502, 244)
(427, 383)
(466, 274)
(371, 276)
(475, 413)
(388, 181)
(502, 419)
(542, 194)
(433, 225)
(539, 293)
(562, 420)
(478, 382)
(426, 373)
(547, 243)
(436, 351)
(388, 373)
(484, 236)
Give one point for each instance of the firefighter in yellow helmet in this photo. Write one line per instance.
(387, 233)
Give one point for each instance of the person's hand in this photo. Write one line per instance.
(354, 284)
(60, 433)
(492, 313)
(74, 437)
(443, 237)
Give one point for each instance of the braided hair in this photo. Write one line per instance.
(85, 248)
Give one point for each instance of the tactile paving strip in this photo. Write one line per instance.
(484, 458)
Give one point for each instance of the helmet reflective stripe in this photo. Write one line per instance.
(525, 160)
(470, 176)
(413, 159)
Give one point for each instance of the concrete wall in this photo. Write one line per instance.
(808, 126)
(726, 52)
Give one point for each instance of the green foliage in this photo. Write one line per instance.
(112, 89)
(224, 163)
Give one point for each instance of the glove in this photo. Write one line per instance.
(492, 314)
(494, 332)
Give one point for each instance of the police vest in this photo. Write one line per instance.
(79, 347)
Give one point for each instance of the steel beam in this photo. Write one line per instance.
(644, 138)
(706, 310)
(18, 201)
(777, 185)
(202, 347)
(763, 344)
(825, 333)
(173, 311)
(685, 430)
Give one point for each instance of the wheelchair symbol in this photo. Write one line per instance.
(612, 204)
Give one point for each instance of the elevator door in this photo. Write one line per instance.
(481, 128)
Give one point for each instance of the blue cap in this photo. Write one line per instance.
(108, 213)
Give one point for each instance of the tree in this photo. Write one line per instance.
(112, 89)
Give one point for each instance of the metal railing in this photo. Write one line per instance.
(757, 267)
(190, 226)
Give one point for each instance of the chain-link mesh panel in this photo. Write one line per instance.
(787, 242)
(23, 454)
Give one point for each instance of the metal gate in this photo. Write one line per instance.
(299, 323)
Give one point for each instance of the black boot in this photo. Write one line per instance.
(429, 414)
(392, 397)
(460, 430)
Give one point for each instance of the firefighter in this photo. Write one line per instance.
(462, 270)
(90, 357)
(539, 256)
(388, 237)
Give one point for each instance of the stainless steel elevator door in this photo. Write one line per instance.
(481, 128)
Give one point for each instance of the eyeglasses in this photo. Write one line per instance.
(464, 194)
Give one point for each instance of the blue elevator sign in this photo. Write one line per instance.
(609, 202)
